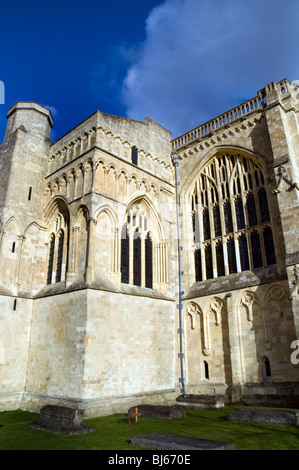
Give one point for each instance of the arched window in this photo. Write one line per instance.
(230, 218)
(134, 156)
(57, 217)
(139, 249)
(51, 259)
(267, 367)
(206, 370)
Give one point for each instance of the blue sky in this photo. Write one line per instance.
(180, 62)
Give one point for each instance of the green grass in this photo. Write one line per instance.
(114, 433)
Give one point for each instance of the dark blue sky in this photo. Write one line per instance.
(180, 62)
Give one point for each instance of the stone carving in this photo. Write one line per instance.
(192, 311)
(281, 174)
(276, 296)
(216, 308)
(247, 302)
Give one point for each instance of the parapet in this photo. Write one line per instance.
(31, 116)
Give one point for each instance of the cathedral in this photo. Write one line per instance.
(138, 268)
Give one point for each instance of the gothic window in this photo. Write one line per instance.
(134, 156)
(267, 367)
(140, 248)
(230, 218)
(206, 368)
(59, 256)
(51, 259)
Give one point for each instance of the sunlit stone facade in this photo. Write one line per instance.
(89, 275)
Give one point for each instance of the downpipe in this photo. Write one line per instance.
(175, 162)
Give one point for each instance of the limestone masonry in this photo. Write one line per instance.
(89, 266)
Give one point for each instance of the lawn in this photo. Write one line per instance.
(114, 432)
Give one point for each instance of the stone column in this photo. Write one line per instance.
(89, 276)
(235, 350)
(281, 113)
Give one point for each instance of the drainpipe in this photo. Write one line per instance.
(175, 161)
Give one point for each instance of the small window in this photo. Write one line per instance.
(13, 248)
(134, 156)
(267, 367)
(29, 193)
(206, 367)
(15, 304)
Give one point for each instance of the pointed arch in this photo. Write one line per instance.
(12, 223)
(144, 252)
(57, 221)
(228, 220)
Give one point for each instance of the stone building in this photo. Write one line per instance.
(110, 296)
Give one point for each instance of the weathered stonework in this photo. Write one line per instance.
(89, 258)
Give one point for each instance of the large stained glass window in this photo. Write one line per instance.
(229, 207)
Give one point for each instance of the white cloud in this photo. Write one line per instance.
(202, 57)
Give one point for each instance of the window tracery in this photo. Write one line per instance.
(230, 218)
(144, 255)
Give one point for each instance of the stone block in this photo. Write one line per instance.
(159, 411)
(251, 415)
(175, 442)
(61, 420)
